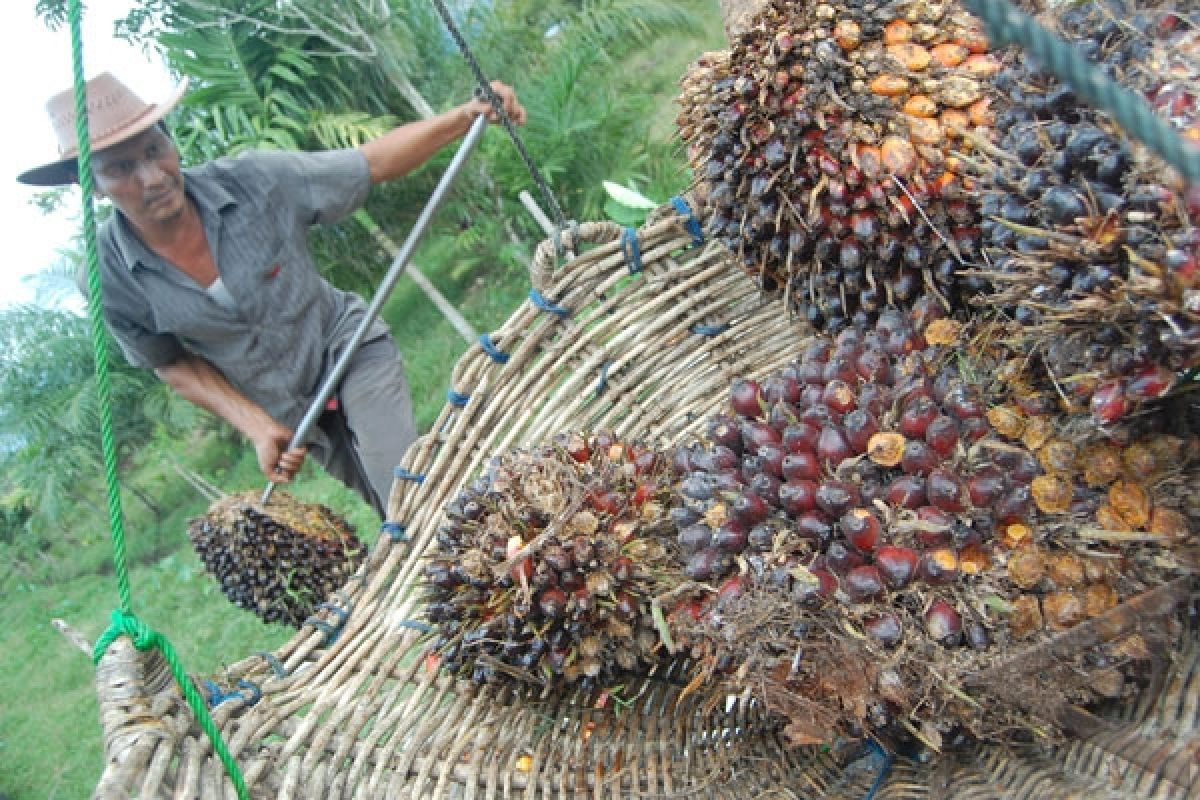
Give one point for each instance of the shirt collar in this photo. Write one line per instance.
(211, 199)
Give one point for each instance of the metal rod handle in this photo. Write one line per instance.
(399, 265)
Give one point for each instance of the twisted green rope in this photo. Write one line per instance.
(123, 620)
(1006, 25)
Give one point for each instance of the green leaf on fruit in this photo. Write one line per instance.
(630, 198)
(998, 604)
(664, 630)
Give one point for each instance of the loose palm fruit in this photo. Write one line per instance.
(943, 623)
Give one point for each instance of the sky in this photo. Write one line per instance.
(36, 63)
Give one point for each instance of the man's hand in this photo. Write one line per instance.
(508, 98)
(278, 463)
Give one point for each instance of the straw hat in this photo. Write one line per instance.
(114, 114)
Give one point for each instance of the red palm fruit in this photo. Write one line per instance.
(832, 447)
(644, 461)
(918, 414)
(862, 529)
(859, 426)
(1015, 505)
(552, 602)
(818, 351)
(942, 435)
(782, 414)
(694, 537)
(1108, 402)
(723, 458)
(863, 583)
(961, 404)
(622, 569)
(939, 566)
(702, 565)
(766, 486)
(838, 396)
(625, 605)
(772, 459)
(801, 437)
(747, 399)
(731, 589)
(820, 415)
(944, 491)
(918, 458)
(811, 376)
(985, 487)
(796, 497)
(1149, 382)
(936, 527)
(912, 388)
(801, 466)
(731, 537)
(837, 497)
(873, 398)
(814, 525)
(522, 570)
(885, 627)
(606, 501)
(906, 491)
(725, 431)
(873, 365)
(750, 509)
(758, 434)
(897, 565)
(840, 559)
(840, 368)
(1024, 468)
(577, 448)
(781, 387)
(644, 491)
(943, 623)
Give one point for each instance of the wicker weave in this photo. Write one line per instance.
(351, 708)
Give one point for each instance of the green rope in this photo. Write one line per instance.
(123, 620)
(1006, 25)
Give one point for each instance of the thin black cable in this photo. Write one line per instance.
(485, 88)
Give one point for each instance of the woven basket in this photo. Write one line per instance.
(642, 335)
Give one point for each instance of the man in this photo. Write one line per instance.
(208, 281)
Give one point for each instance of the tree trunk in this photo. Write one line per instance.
(738, 15)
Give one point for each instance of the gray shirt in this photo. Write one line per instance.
(287, 323)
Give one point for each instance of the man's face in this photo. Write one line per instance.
(142, 178)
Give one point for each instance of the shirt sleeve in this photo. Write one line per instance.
(325, 186)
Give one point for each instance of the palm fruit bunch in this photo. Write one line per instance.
(821, 144)
(279, 562)
(547, 565)
(1090, 238)
(870, 541)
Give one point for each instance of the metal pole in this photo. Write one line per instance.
(399, 265)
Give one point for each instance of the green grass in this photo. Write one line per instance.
(50, 739)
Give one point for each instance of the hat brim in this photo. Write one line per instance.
(65, 170)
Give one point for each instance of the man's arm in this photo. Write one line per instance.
(407, 147)
(198, 381)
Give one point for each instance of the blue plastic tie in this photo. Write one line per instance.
(216, 696)
(709, 330)
(602, 384)
(455, 399)
(884, 769)
(396, 530)
(539, 300)
(274, 663)
(690, 221)
(415, 625)
(331, 631)
(499, 356)
(328, 631)
(632, 250)
(402, 474)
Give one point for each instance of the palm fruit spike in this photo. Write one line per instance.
(1091, 239)
(861, 520)
(280, 562)
(821, 142)
(547, 564)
